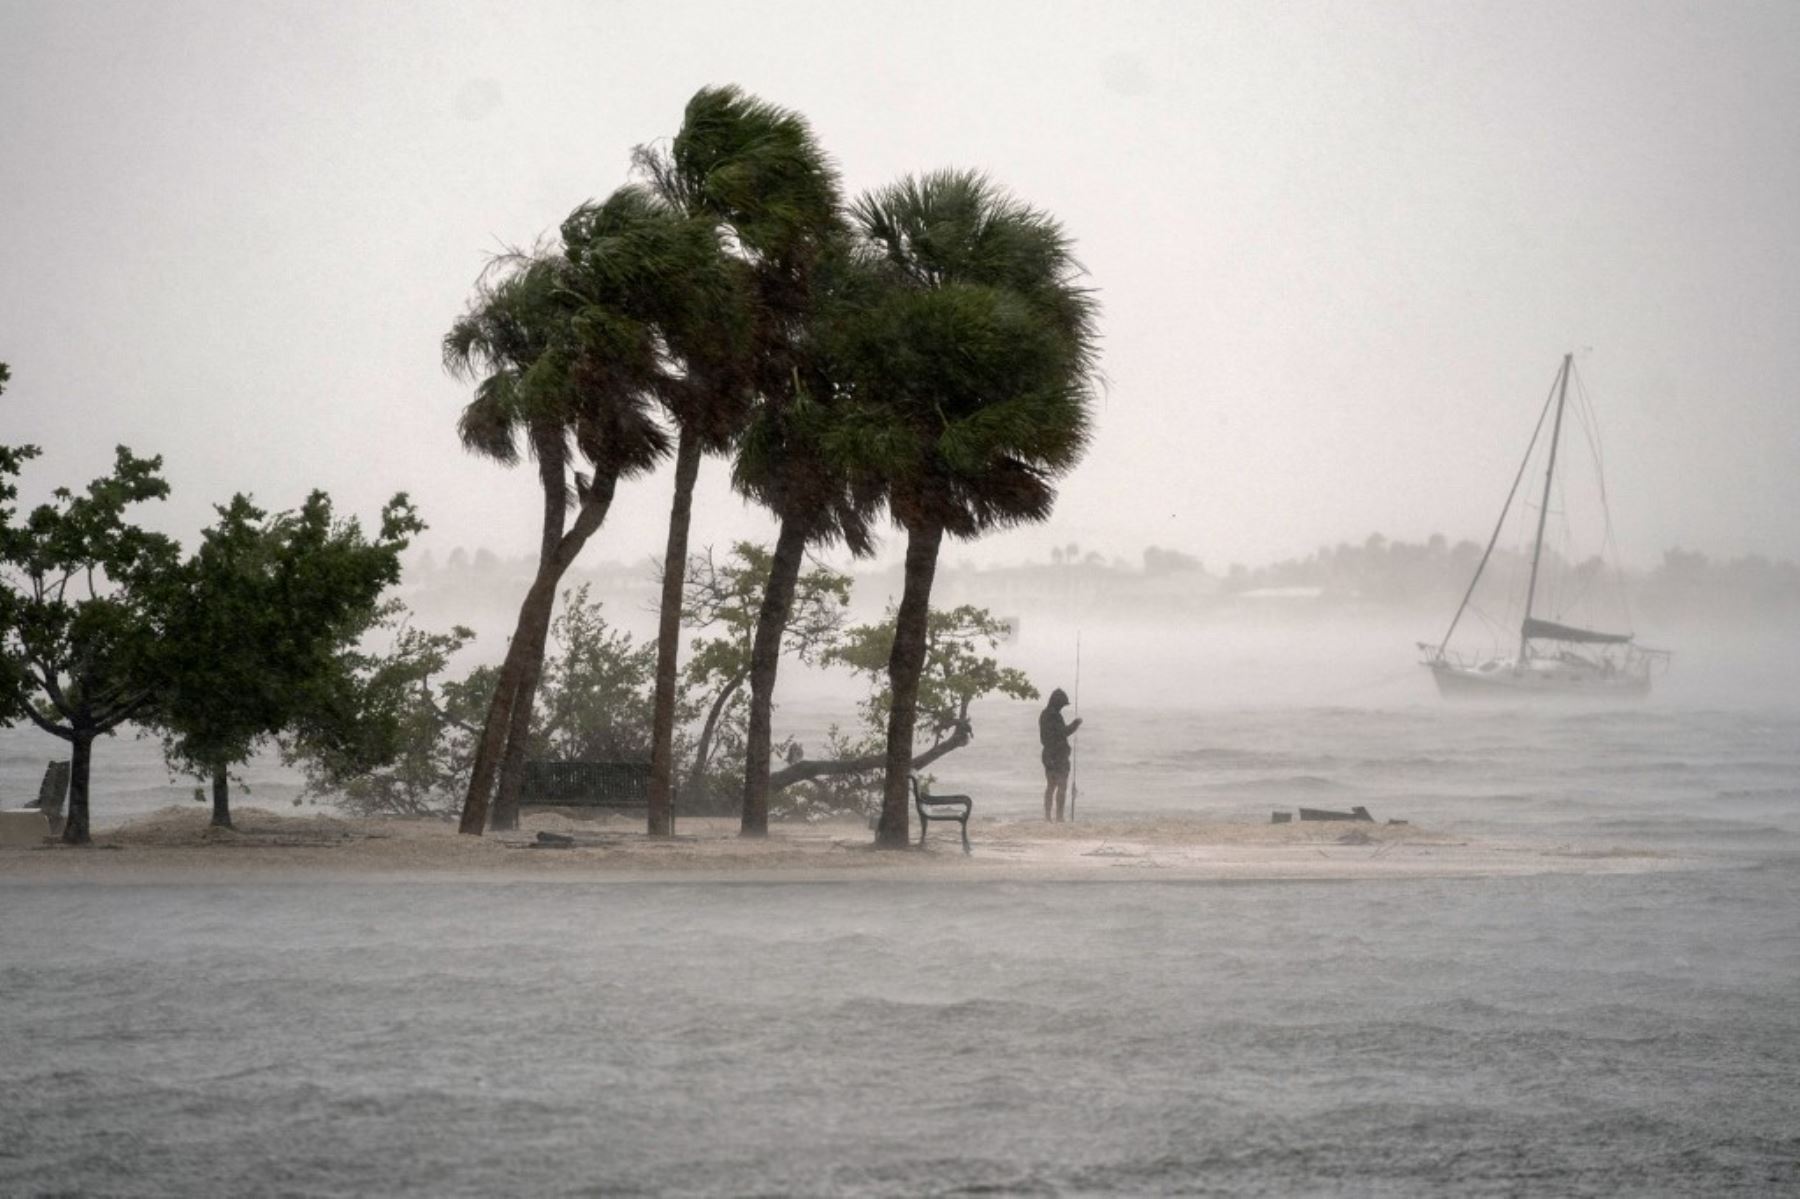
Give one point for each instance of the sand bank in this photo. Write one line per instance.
(176, 844)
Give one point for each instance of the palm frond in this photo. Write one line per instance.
(490, 422)
(982, 339)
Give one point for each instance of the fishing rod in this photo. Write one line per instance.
(1075, 746)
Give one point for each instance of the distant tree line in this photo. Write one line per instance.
(1399, 574)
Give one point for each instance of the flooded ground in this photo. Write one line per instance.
(1551, 1035)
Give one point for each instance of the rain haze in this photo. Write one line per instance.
(1378, 771)
(1340, 250)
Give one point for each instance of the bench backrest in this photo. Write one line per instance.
(585, 784)
(921, 792)
(54, 790)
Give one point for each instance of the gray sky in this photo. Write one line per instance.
(1341, 247)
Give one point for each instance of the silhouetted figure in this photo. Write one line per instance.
(1055, 737)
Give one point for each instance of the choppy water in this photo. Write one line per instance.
(1561, 1035)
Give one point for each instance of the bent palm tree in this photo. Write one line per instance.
(707, 321)
(971, 375)
(757, 172)
(562, 373)
(504, 333)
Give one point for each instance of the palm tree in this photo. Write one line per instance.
(971, 374)
(757, 172)
(566, 368)
(502, 335)
(707, 321)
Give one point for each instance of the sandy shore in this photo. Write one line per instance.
(176, 844)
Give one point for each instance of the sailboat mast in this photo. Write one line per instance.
(1494, 537)
(1537, 549)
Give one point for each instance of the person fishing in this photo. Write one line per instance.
(1055, 737)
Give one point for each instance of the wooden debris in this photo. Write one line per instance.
(1356, 813)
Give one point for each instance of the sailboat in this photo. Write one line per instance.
(1553, 658)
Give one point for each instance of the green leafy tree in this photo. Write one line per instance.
(598, 687)
(593, 704)
(260, 637)
(84, 595)
(724, 600)
(959, 668)
(972, 372)
(432, 734)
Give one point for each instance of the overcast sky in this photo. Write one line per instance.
(1341, 247)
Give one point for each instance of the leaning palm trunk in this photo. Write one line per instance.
(552, 459)
(528, 640)
(518, 733)
(905, 664)
(765, 657)
(668, 639)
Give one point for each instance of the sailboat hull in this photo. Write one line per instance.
(1503, 680)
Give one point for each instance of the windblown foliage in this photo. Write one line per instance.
(85, 594)
(261, 634)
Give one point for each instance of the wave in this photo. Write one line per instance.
(1294, 782)
(1760, 793)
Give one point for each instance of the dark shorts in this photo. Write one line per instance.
(1056, 769)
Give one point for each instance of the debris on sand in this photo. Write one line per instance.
(1356, 813)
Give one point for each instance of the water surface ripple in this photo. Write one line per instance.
(1561, 1035)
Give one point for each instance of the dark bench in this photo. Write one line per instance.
(940, 807)
(554, 784)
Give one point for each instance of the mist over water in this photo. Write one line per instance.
(1234, 714)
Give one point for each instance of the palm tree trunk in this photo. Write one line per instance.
(528, 639)
(81, 757)
(905, 664)
(668, 639)
(523, 658)
(492, 742)
(552, 452)
(518, 733)
(221, 789)
(765, 657)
